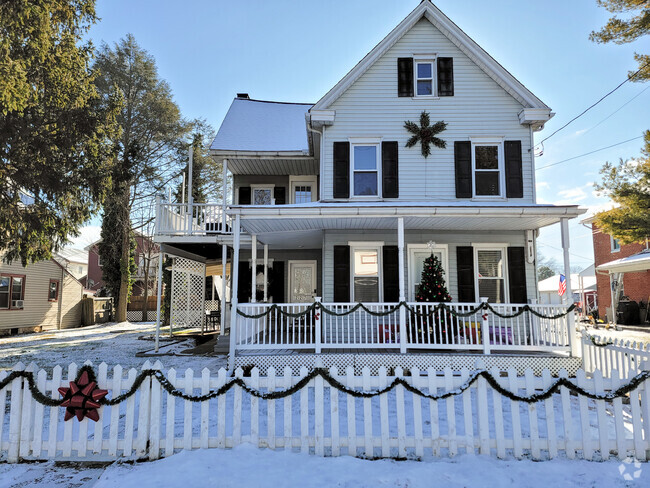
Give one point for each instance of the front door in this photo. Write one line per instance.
(302, 281)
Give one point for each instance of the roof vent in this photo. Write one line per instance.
(244, 96)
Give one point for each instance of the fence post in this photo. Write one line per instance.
(318, 325)
(485, 328)
(15, 415)
(144, 418)
(645, 406)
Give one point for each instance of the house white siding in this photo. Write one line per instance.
(370, 107)
(451, 239)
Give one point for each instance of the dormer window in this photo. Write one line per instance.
(424, 77)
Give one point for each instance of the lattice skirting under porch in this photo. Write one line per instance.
(136, 316)
(407, 361)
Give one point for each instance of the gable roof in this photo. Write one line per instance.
(455, 34)
(257, 125)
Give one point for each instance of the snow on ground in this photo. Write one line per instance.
(112, 343)
(624, 334)
(247, 466)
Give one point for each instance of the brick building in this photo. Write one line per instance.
(636, 285)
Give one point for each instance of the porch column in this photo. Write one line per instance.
(253, 267)
(568, 296)
(234, 272)
(224, 192)
(402, 293)
(158, 299)
(224, 262)
(266, 271)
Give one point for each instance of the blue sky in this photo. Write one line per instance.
(296, 51)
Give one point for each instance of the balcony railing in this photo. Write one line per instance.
(417, 326)
(198, 219)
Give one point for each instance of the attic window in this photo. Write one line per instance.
(424, 77)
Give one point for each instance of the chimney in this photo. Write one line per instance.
(243, 96)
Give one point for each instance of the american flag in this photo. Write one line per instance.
(562, 288)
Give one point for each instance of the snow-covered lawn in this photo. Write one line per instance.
(621, 335)
(112, 343)
(247, 466)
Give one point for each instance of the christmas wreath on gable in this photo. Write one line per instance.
(425, 133)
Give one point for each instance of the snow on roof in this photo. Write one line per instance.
(636, 262)
(257, 125)
(74, 255)
(551, 284)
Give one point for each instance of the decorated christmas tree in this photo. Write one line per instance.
(432, 326)
(432, 286)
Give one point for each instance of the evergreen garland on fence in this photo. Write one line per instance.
(608, 342)
(43, 399)
(431, 311)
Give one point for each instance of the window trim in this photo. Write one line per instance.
(11, 284)
(489, 141)
(431, 59)
(492, 246)
(262, 186)
(58, 285)
(612, 247)
(311, 180)
(368, 246)
(412, 279)
(357, 141)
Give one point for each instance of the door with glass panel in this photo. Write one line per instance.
(417, 258)
(302, 281)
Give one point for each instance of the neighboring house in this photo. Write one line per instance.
(583, 286)
(329, 202)
(146, 252)
(75, 261)
(632, 284)
(42, 295)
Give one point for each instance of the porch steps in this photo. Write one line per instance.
(222, 345)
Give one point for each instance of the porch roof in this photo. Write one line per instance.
(636, 262)
(417, 216)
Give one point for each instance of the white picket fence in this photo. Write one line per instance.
(624, 356)
(322, 420)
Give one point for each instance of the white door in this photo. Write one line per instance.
(302, 281)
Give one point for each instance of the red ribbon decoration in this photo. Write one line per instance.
(82, 398)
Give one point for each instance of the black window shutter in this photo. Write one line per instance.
(465, 271)
(341, 169)
(244, 283)
(244, 195)
(389, 169)
(276, 282)
(514, 174)
(341, 273)
(517, 275)
(279, 193)
(405, 77)
(445, 77)
(463, 164)
(391, 273)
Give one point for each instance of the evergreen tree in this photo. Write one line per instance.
(625, 30)
(55, 131)
(432, 285)
(628, 185)
(152, 137)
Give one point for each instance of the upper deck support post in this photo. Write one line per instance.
(234, 271)
(253, 268)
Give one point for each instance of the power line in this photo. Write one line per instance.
(596, 103)
(587, 154)
(618, 109)
(560, 249)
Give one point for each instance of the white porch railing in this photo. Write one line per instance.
(198, 219)
(422, 328)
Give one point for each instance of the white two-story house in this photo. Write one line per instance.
(329, 204)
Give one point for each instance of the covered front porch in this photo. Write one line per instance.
(500, 317)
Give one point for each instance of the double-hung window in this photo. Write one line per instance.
(53, 291)
(365, 273)
(487, 164)
(365, 170)
(12, 292)
(424, 72)
(615, 246)
(491, 273)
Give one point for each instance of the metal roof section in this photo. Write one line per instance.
(263, 126)
(636, 262)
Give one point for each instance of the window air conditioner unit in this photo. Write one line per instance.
(17, 304)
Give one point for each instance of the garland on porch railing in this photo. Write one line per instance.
(432, 309)
(86, 373)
